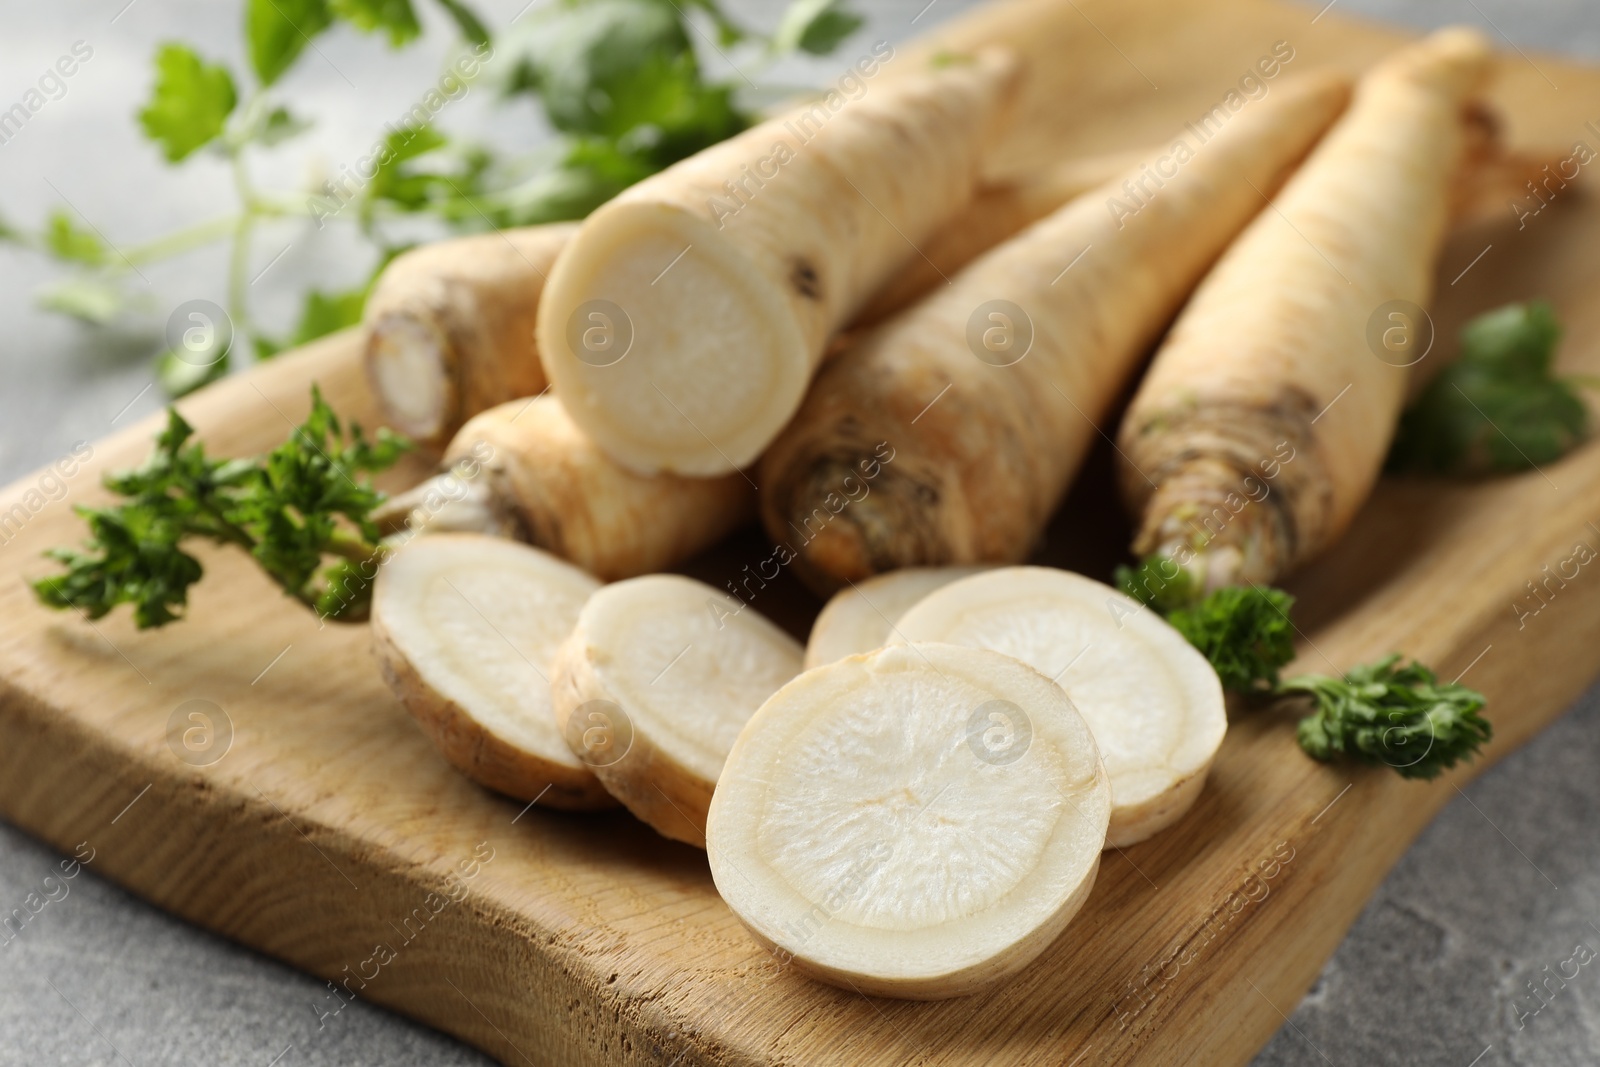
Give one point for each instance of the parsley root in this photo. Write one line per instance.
(1262, 423)
(988, 433)
(450, 327)
(524, 470)
(683, 323)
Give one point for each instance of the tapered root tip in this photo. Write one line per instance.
(408, 366)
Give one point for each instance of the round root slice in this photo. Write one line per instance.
(859, 618)
(1153, 702)
(653, 686)
(465, 626)
(914, 822)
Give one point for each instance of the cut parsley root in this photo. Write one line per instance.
(1152, 702)
(859, 619)
(990, 407)
(450, 327)
(524, 470)
(465, 627)
(916, 822)
(655, 684)
(682, 325)
(1242, 454)
(306, 501)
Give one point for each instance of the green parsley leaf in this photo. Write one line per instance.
(470, 25)
(277, 31)
(325, 312)
(1497, 408)
(610, 67)
(395, 17)
(189, 104)
(179, 377)
(1244, 631)
(1392, 715)
(1159, 583)
(66, 242)
(814, 26)
(278, 125)
(87, 298)
(306, 500)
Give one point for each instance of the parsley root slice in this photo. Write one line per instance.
(450, 327)
(860, 618)
(464, 627)
(524, 470)
(989, 390)
(655, 684)
(915, 822)
(1267, 379)
(1153, 703)
(683, 323)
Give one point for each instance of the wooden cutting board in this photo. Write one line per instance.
(330, 835)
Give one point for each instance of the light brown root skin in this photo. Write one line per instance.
(646, 782)
(558, 491)
(984, 453)
(476, 752)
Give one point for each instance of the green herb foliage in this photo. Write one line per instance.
(292, 509)
(1391, 715)
(1377, 713)
(620, 82)
(1497, 408)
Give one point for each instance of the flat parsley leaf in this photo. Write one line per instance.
(277, 31)
(189, 104)
(1497, 408)
(396, 17)
(1392, 715)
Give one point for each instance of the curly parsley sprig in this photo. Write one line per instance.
(292, 509)
(1380, 713)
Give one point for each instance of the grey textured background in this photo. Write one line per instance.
(1505, 883)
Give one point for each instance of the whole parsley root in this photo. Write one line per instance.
(1267, 377)
(1379, 713)
(292, 509)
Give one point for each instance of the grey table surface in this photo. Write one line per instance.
(1436, 971)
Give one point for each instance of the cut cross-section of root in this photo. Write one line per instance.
(860, 617)
(465, 626)
(654, 685)
(1153, 702)
(915, 822)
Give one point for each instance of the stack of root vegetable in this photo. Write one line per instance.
(915, 804)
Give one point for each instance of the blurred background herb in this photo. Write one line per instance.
(622, 83)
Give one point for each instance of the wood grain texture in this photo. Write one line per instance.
(587, 939)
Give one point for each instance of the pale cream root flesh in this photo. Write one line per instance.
(714, 302)
(1154, 704)
(1268, 380)
(406, 364)
(864, 828)
(450, 327)
(859, 618)
(465, 628)
(675, 668)
(984, 444)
